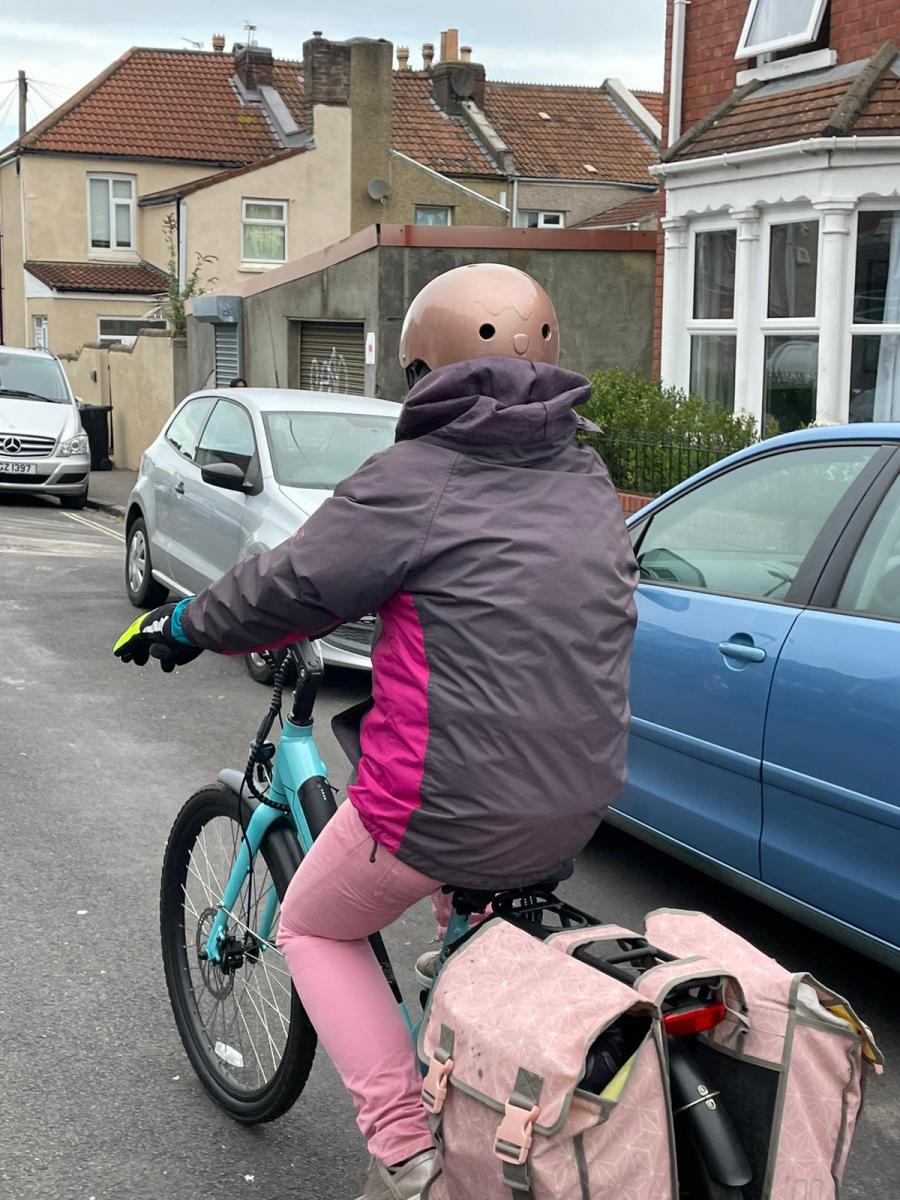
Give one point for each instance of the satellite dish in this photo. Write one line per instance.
(378, 189)
(463, 83)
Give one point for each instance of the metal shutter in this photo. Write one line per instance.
(228, 354)
(333, 356)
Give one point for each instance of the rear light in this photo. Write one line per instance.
(694, 1020)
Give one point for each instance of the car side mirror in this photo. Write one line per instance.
(225, 475)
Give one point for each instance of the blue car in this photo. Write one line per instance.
(765, 735)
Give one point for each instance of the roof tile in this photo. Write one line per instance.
(139, 278)
(174, 104)
(642, 210)
(584, 128)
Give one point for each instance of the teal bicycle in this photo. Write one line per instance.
(231, 854)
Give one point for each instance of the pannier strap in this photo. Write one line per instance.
(440, 1068)
(515, 1133)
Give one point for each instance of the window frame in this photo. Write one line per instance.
(110, 178)
(40, 321)
(747, 49)
(268, 222)
(178, 413)
(542, 213)
(253, 474)
(828, 586)
(716, 326)
(856, 328)
(820, 559)
(106, 339)
(447, 208)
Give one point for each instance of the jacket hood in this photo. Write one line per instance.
(495, 404)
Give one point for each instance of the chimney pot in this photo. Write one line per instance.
(465, 53)
(218, 43)
(450, 45)
(403, 58)
(427, 55)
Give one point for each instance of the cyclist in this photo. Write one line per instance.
(492, 546)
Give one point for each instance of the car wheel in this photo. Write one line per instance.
(143, 589)
(259, 667)
(74, 501)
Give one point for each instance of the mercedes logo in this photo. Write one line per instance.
(10, 445)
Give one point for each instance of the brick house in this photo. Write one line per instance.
(779, 293)
(258, 161)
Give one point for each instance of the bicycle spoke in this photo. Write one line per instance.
(243, 1002)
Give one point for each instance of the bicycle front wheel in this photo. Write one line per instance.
(241, 1022)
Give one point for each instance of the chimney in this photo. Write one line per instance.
(403, 58)
(456, 79)
(450, 45)
(427, 55)
(253, 66)
(218, 43)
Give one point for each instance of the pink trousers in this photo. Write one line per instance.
(336, 899)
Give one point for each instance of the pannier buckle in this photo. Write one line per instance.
(434, 1089)
(515, 1134)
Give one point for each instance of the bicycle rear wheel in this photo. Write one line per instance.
(242, 1025)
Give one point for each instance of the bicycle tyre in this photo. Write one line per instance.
(220, 1065)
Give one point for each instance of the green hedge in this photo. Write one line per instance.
(653, 436)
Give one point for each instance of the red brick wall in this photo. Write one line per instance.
(858, 28)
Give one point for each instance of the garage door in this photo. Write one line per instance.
(228, 356)
(332, 356)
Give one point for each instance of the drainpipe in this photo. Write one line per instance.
(676, 69)
(514, 206)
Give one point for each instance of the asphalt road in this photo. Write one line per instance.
(97, 1101)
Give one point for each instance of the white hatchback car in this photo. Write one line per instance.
(237, 471)
(43, 447)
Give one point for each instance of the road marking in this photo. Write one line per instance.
(119, 537)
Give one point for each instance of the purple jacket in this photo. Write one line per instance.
(493, 548)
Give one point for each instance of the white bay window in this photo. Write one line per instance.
(875, 357)
(712, 328)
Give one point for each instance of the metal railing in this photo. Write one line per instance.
(649, 464)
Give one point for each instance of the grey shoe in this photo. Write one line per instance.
(405, 1184)
(425, 967)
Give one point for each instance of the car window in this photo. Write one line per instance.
(318, 450)
(37, 377)
(873, 581)
(228, 437)
(185, 429)
(747, 532)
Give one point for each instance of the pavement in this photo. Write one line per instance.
(98, 1100)
(108, 491)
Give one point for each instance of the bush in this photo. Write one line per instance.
(653, 436)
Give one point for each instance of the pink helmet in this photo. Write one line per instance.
(479, 310)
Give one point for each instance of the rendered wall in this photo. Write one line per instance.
(143, 383)
(71, 323)
(15, 332)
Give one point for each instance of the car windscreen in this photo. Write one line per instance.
(318, 450)
(32, 377)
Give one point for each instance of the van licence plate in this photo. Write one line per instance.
(17, 468)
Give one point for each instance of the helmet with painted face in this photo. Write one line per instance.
(475, 311)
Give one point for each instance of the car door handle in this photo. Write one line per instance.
(742, 651)
(179, 488)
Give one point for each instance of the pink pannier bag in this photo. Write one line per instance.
(508, 1029)
(792, 1068)
(512, 1020)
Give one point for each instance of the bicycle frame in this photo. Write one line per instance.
(296, 762)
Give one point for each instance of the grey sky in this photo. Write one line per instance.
(566, 41)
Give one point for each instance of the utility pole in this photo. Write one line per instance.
(23, 104)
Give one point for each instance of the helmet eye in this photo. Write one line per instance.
(487, 331)
(545, 332)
